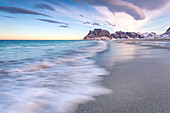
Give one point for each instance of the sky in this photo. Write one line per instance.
(72, 19)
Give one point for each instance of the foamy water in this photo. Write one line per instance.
(162, 44)
(50, 78)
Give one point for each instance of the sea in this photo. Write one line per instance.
(49, 76)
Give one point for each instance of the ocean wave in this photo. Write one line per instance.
(54, 84)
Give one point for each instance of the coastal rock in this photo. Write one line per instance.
(167, 31)
(122, 34)
(166, 35)
(149, 35)
(98, 34)
(135, 35)
(141, 35)
(127, 35)
(115, 35)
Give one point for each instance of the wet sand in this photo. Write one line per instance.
(139, 79)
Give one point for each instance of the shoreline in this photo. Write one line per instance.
(136, 79)
(145, 39)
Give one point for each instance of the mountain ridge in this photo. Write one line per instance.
(106, 35)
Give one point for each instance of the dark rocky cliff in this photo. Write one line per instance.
(98, 33)
(167, 31)
(105, 35)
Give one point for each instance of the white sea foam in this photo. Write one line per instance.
(162, 44)
(55, 85)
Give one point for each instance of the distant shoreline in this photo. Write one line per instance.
(101, 34)
(142, 40)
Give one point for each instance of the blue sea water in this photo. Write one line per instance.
(48, 76)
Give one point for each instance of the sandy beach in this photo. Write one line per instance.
(139, 79)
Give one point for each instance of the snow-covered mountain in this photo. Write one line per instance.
(153, 35)
(167, 31)
(166, 34)
(100, 34)
(149, 35)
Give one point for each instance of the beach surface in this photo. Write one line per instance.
(139, 79)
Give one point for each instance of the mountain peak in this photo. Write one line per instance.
(98, 34)
(167, 31)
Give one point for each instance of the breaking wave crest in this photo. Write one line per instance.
(56, 84)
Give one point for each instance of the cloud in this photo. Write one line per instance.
(126, 22)
(16, 10)
(110, 24)
(97, 24)
(94, 23)
(44, 6)
(121, 20)
(78, 2)
(149, 4)
(81, 15)
(63, 26)
(7, 16)
(119, 6)
(56, 3)
(86, 23)
(52, 21)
